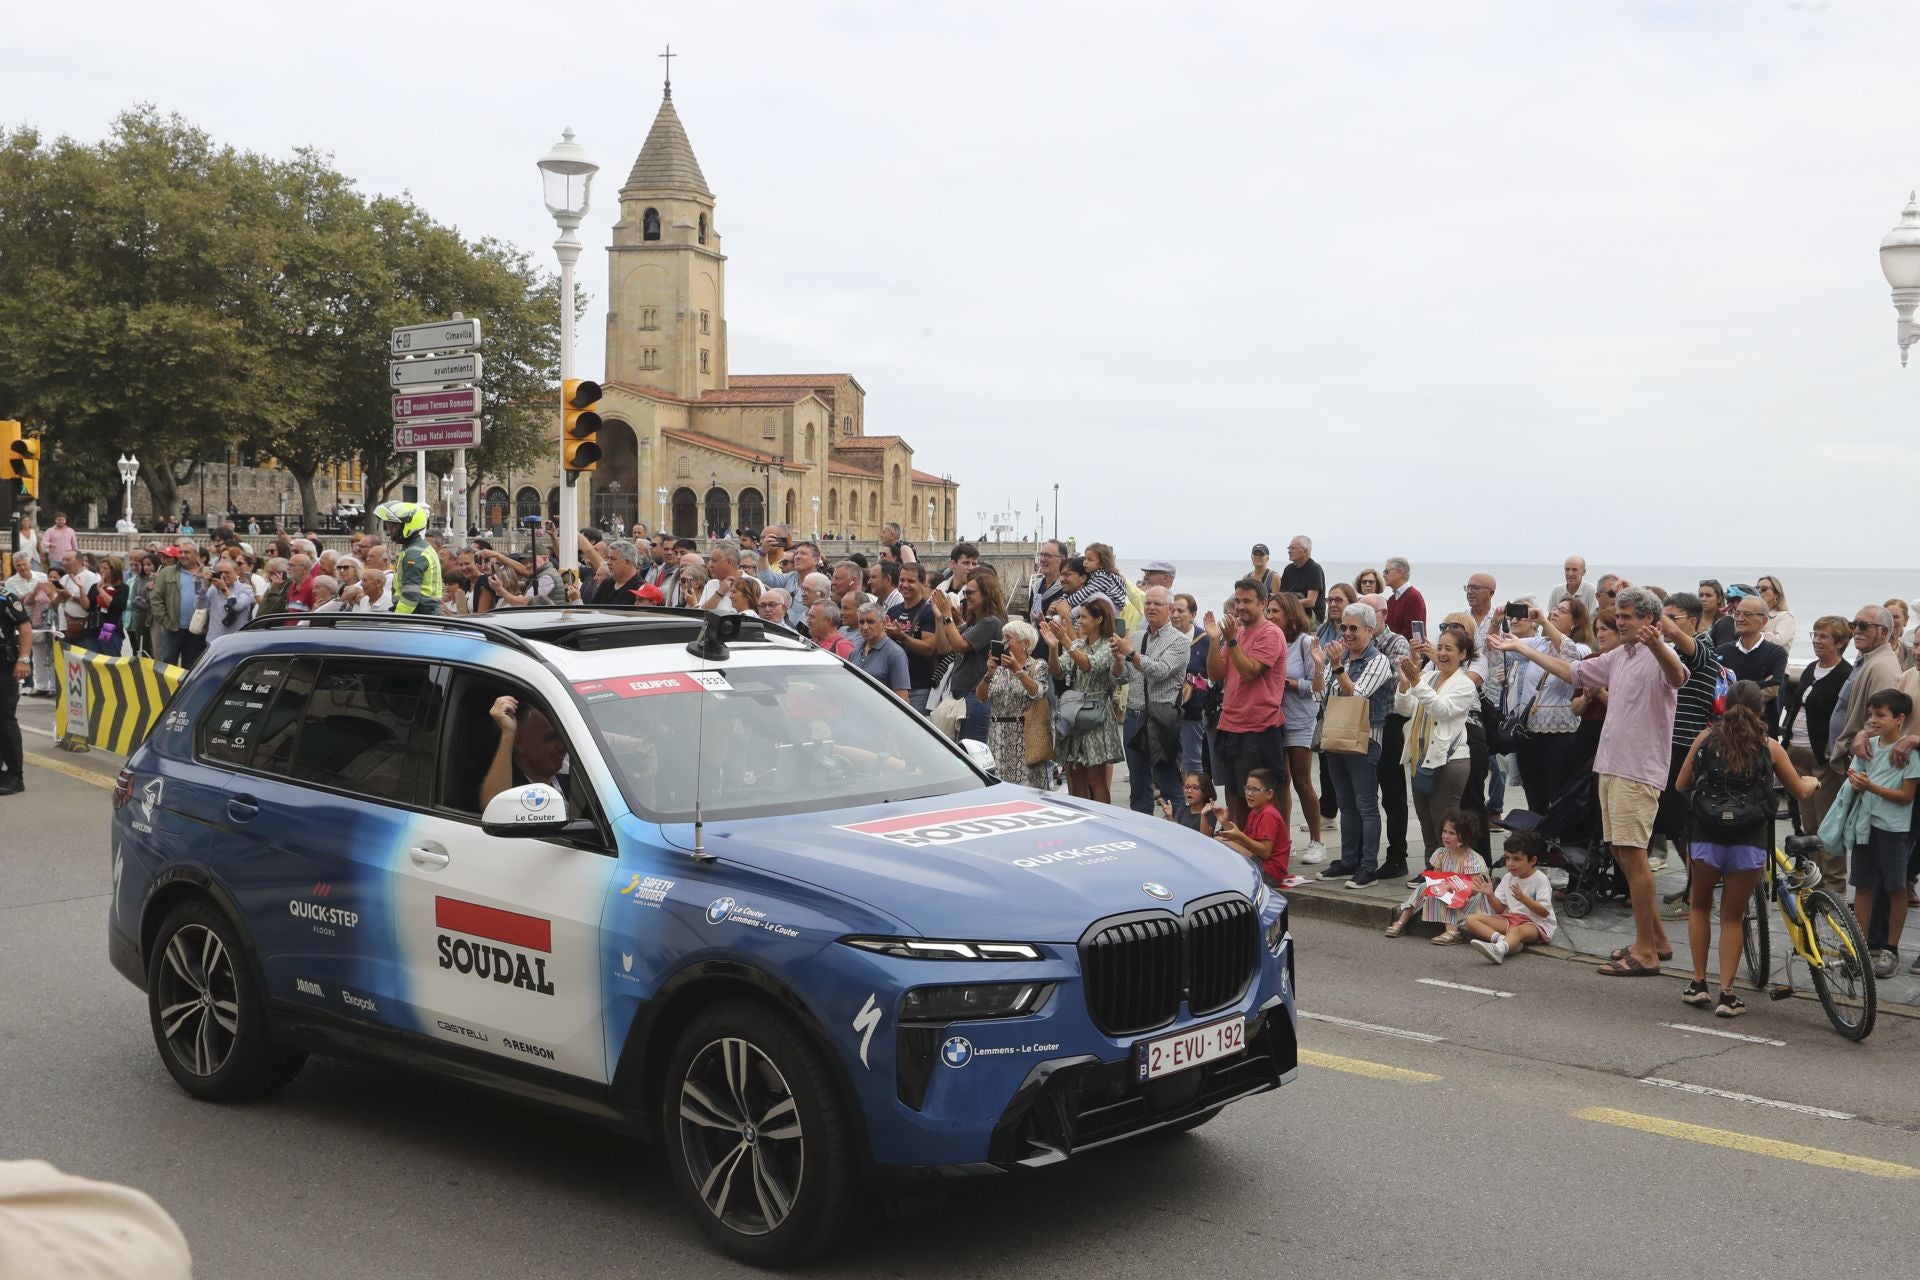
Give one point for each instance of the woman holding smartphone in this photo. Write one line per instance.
(1084, 658)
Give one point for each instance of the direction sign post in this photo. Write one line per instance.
(443, 412)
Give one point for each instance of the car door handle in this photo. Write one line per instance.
(241, 810)
(428, 857)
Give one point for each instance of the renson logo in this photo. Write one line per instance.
(956, 826)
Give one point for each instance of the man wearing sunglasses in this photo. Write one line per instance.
(1878, 668)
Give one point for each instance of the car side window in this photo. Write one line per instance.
(242, 716)
(360, 729)
(469, 738)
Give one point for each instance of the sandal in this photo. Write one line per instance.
(1398, 927)
(1627, 967)
(1621, 953)
(1448, 938)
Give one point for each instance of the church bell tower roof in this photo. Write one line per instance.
(666, 159)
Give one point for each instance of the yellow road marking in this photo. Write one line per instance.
(1747, 1142)
(72, 771)
(1361, 1067)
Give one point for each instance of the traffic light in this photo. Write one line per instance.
(19, 458)
(579, 425)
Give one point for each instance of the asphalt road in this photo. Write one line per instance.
(1520, 1141)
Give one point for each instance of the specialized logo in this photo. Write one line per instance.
(509, 965)
(1159, 891)
(1085, 855)
(957, 1051)
(308, 988)
(150, 797)
(864, 1022)
(647, 891)
(956, 826)
(325, 920)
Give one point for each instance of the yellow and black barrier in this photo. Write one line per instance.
(112, 703)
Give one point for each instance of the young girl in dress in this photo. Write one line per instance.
(1456, 854)
(1522, 904)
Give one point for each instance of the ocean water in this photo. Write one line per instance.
(1811, 593)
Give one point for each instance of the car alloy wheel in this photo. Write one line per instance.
(199, 1000)
(741, 1137)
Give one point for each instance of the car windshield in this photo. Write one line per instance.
(765, 740)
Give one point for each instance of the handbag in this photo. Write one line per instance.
(1346, 728)
(198, 624)
(1039, 731)
(1515, 729)
(1080, 712)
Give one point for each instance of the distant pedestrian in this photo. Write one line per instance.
(1304, 577)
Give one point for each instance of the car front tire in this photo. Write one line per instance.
(209, 1020)
(758, 1136)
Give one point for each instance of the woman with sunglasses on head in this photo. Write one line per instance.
(1781, 626)
(1368, 582)
(1082, 656)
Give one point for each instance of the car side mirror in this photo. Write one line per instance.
(981, 755)
(533, 810)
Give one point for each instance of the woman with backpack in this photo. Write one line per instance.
(1728, 780)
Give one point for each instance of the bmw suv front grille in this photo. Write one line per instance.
(1137, 969)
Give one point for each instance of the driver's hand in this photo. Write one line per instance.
(505, 712)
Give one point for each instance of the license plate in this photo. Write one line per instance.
(1171, 1054)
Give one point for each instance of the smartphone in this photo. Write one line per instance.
(996, 649)
(1419, 632)
(1517, 610)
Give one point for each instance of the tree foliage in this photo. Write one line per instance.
(165, 295)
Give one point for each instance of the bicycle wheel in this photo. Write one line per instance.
(1755, 943)
(1844, 979)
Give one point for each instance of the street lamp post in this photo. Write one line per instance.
(129, 472)
(566, 175)
(1900, 263)
(661, 495)
(816, 517)
(1056, 511)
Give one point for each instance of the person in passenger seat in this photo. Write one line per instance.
(530, 749)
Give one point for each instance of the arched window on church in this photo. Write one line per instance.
(833, 507)
(873, 510)
(896, 482)
(703, 228)
(809, 442)
(650, 225)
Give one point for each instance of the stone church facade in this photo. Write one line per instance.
(690, 445)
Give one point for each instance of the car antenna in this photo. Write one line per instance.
(710, 646)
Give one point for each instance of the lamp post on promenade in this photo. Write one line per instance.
(1900, 263)
(566, 175)
(129, 472)
(660, 494)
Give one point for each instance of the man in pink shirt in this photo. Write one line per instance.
(1249, 654)
(59, 542)
(1642, 677)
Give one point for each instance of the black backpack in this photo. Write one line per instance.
(1728, 804)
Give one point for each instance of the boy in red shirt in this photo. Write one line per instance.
(1264, 838)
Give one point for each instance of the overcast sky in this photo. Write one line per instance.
(1472, 281)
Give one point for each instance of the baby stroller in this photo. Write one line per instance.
(1571, 828)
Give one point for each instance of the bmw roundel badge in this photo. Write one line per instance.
(1159, 891)
(720, 909)
(957, 1051)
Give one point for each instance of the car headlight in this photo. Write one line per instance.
(1277, 934)
(973, 1000)
(934, 949)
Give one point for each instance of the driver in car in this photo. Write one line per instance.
(531, 749)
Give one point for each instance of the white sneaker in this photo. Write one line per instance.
(1314, 853)
(1495, 950)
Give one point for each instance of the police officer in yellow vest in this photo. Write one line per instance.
(416, 577)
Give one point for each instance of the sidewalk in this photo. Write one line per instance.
(1587, 940)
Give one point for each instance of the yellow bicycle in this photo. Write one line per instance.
(1824, 934)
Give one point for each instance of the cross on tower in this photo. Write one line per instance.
(668, 57)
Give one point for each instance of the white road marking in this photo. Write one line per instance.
(34, 728)
(1800, 1107)
(1724, 1035)
(1421, 1036)
(1461, 986)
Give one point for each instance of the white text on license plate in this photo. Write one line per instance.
(1168, 1054)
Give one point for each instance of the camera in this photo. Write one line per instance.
(1517, 610)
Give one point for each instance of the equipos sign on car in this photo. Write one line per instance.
(789, 878)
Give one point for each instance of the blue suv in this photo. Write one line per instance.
(691, 876)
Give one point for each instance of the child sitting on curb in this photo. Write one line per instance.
(1264, 839)
(1523, 903)
(1455, 856)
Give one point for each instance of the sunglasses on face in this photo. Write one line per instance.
(1858, 625)
(1349, 628)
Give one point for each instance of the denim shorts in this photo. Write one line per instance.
(1728, 859)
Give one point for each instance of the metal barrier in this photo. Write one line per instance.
(112, 703)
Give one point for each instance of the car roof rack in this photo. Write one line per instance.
(467, 625)
(599, 626)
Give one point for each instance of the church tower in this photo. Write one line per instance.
(666, 286)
